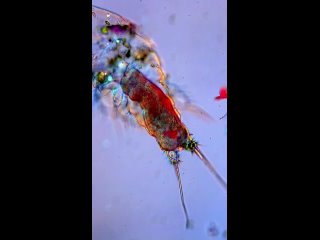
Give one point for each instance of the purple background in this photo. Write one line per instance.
(135, 193)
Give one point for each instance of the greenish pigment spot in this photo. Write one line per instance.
(190, 145)
(101, 77)
(104, 30)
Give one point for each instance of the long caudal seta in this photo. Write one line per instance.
(193, 146)
(175, 160)
(210, 167)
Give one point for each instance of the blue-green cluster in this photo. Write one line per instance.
(104, 78)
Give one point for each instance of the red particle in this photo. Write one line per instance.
(223, 94)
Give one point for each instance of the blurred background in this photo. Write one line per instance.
(135, 194)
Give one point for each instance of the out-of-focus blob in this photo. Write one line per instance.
(224, 234)
(222, 94)
(213, 230)
(172, 19)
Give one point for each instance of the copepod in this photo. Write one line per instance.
(126, 67)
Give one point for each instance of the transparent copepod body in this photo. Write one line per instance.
(117, 47)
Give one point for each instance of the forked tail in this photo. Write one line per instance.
(210, 167)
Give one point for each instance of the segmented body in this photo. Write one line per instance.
(117, 48)
(126, 64)
(162, 120)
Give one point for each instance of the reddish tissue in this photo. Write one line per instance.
(223, 94)
(171, 134)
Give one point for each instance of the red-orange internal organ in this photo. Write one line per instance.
(162, 120)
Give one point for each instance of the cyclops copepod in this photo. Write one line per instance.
(126, 66)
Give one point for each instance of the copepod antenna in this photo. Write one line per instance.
(210, 167)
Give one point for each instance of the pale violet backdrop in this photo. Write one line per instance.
(135, 193)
